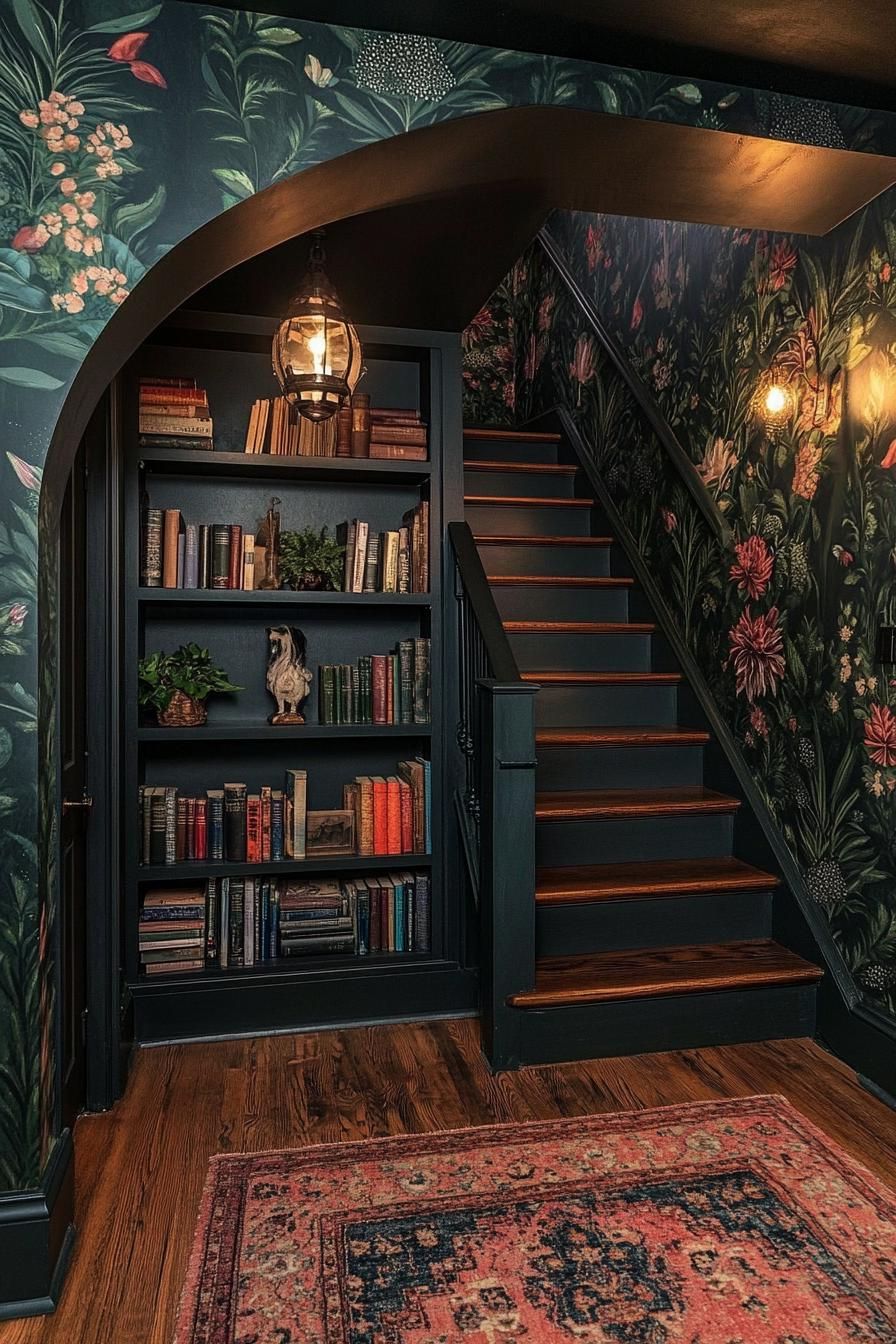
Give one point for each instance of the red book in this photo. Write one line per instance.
(253, 829)
(380, 816)
(191, 828)
(200, 844)
(380, 681)
(236, 557)
(266, 824)
(393, 815)
(407, 818)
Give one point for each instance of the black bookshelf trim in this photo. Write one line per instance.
(37, 1236)
(200, 462)
(226, 597)
(295, 968)
(265, 732)
(350, 863)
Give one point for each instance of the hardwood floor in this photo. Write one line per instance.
(140, 1168)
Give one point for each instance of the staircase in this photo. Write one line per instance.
(651, 930)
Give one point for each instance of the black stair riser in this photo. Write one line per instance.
(672, 1022)
(540, 603)
(703, 836)
(581, 653)
(654, 921)
(518, 483)
(585, 706)
(520, 520)
(504, 450)
(621, 767)
(588, 561)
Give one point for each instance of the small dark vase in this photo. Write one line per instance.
(312, 582)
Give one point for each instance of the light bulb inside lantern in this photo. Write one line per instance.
(775, 399)
(318, 347)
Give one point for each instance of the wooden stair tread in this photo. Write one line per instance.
(579, 627)
(532, 468)
(603, 977)
(530, 501)
(495, 539)
(560, 581)
(622, 736)
(560, 678)
(512, 435)
(612, 804)
(652, 877)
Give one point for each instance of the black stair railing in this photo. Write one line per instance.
(495, 802)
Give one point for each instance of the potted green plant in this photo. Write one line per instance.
(311, 561)
(176, 685)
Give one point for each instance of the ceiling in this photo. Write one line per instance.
(839, 50)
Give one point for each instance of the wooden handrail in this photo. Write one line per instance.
(646, 403)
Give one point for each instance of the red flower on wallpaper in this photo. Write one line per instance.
(128, 49)
(594, 246)
(880, 735)
(582, 367)
(889, 459)
(637, 314)
(784, 258)
(757, 654)
(754, 566)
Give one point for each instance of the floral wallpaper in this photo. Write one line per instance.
(784, 623)
(120, 133)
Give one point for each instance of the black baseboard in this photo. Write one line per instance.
(37, 1234)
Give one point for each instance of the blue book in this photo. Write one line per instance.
(276, 825)
(275, 923)
(427, 804)
(400, 916)
(363, 897)
(215, 824)
(421, 912)
(191, 556)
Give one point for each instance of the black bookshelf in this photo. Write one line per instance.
(226, 355)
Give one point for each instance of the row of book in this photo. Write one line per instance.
(378, 816)
(379, 688)
(357, 430)
(196, 555)
(233, 922)
(174, 412)
(387, 562)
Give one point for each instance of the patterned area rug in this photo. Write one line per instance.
(730, 1222)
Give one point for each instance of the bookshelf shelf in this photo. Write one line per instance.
(208, 597)
(247, 466)
(404, 368)
(265, 732)
(350, 863)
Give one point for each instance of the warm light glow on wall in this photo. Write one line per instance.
(773, 401)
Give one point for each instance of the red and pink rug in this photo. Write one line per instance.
(730, 1222)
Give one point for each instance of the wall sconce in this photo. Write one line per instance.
(316, 352)
(773, 401)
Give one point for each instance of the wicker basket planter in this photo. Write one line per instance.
(183, 712)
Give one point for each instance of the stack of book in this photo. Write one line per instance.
(397, 435)
(387, 562)
(171, 931)
(380, 688)
(393, 815)
(316, 918)
(195, 555)
(378, 816)
(271, 429)
(174, 413)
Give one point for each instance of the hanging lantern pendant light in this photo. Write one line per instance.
(316, 352)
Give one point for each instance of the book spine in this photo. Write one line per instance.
(371, 568)
(407, 818)
(398, 452)
(276, 825)
(378, 679)
(248, 564)
(211, 922)
(220, 555)
(216, 825)
(235, 558)
(204, 572)
(365, 839)
(266, 824)
(380, 817)
(422, 678)
(175, 426)
(151, 548)
(360, 557)
(235, 796)
(191, 556)
(344, 432)
(360, 425)
(180, 841)
(235, 949)
(200, 840)
(224, 922)
(169, 551)
(421, 912)
(397, 433)
(393, 816)
(253, 829)
(170, 825)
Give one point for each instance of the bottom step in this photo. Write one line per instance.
(641, 973)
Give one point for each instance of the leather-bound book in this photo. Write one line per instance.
(169, 548)
(360, 425)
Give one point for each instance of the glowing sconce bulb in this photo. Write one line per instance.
(775, 400)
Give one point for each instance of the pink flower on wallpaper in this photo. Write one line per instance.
(806, 472)
(478, 328)
(637, 314)
(754, 566)
(784, 258)
(880, 736)
(28, 475)
(757, 654)
(127, 49)
(889, 457)
(530, 363)
(546, 312)
(594, 246)
(30, 238)
(758, 721)
(583, 367)
(670, 522)
(718, 462)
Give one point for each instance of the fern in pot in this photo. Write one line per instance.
(176, 685)
(311, 561)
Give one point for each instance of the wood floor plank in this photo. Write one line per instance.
(141, 1167)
